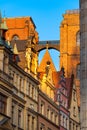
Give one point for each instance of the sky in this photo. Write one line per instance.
(46, 14)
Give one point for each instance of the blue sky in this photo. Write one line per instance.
(46, 14)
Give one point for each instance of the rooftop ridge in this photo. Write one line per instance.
(73, 11)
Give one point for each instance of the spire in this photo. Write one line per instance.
(15, 50)
(47, 45)
(5, 25)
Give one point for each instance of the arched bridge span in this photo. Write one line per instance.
(53, 44)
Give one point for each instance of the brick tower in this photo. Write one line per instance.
(70, 42)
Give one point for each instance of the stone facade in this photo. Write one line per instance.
(29, 101)
(83, 26)
(21, 92)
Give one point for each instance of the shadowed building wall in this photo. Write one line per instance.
(83, 25)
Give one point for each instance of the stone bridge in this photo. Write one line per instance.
(52, 44)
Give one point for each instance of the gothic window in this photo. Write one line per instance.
(3, 102)
(78, 38)
(15, 37)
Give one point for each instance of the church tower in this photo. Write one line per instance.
(70, 42)
(83, 55)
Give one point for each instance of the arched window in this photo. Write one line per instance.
(15, 37)
(78, 38)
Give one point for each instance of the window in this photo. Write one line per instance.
(74, 111)
(42, 127)
(60, 118)
(20, 83)
(28, 122)
(19, 118)
(3, 101)
(49, 129)
(76, 127)
(78, 38)
(12, 113)
(74, 95)
(73, 126)
(29, 89)
(59, 97)
(51, 116)
(15, 37)
(33, 123)
(66, 122)
(42, 107)
(32, 91)
(48, 113)
(70, 126)
(56, 119)
(63, 120)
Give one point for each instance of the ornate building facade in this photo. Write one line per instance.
(18, 91)
(27, 91)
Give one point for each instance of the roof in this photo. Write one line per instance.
(20, 44)
(44, 61)
(26, 17)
